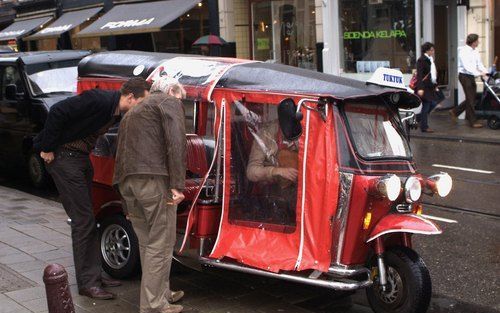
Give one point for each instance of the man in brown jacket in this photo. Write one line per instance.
(150, 172)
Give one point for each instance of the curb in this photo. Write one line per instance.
(456, 138)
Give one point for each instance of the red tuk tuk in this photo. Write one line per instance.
(292, 174)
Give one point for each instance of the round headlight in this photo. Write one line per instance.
(443, 182)
(389, 186)
(413, 189)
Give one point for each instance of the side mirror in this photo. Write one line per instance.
(11, 92)
(289, 119)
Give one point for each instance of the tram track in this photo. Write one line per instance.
(463, 210)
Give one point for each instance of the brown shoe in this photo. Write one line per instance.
(453, 116)
(476, 125)
(96, 293)
(428, 130)
(172, 308)
(109, 282)
(175, 296)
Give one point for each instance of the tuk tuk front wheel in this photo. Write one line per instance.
(119, 247)
(494, 122)
(409, 285)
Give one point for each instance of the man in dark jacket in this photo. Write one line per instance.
(150, 171)
(69, 135)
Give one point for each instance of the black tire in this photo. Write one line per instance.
(407, 271)
(494, 122)
(119, 247)
(38, 174)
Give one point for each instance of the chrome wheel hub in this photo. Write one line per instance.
(115, 246)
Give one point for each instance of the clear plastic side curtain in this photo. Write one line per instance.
(265, 223)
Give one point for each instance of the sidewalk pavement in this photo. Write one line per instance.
(445, 129)
(34, 233)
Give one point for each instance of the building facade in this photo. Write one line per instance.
(354, 37)
(344, 37)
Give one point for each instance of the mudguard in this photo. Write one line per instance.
(404, 223)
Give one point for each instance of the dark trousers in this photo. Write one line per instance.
(469, 84)
(422, 118)
(72, 173)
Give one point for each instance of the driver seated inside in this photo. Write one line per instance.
(273, 164)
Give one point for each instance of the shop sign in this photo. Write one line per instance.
(263, 44)
(13, 33)
(375, 34)
(56, 29)
(128, 23)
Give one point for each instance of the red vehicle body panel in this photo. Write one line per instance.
(407, 223)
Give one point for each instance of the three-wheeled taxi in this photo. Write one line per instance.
(291, 174)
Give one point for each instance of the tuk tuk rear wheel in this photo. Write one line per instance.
(409, 286)
(119, 247)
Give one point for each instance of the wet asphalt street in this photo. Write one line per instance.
(464, 261)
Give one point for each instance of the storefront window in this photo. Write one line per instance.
(179, 35)
(284, 32)
(377, 34)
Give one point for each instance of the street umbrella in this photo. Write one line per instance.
(209, 40)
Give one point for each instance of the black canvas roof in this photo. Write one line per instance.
(253, 76)
(289, 79)
(122, 63)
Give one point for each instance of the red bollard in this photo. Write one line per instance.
(57, 289)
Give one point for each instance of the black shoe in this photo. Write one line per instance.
(109, 282)
(96, 293)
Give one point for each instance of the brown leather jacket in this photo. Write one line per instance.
(152, 141)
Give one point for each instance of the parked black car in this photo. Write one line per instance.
(30, 83)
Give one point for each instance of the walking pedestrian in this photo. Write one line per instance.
(426, 87)
(150, 172)
(69, 134)
(469, 67)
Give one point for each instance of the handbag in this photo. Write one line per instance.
(413, 81)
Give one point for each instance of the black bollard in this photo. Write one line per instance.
(57, 289)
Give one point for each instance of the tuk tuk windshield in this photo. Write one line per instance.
(375, 131)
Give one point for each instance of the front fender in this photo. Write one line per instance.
(403, 223)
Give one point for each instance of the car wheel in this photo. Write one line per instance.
(119, 247)
(409, 285)
(37, 171)
(494, 122)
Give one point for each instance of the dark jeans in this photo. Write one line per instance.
(72, 173)
(422, 118)
(469, 84)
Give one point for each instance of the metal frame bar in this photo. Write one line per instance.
(336, 285)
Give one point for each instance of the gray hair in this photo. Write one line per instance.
(168, 85)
